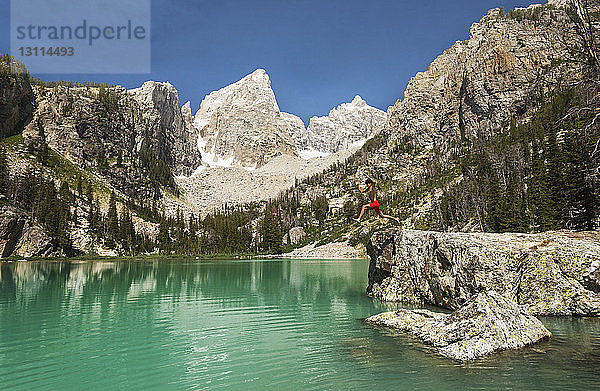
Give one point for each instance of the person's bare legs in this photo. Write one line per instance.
(389, 217)
(362, 211)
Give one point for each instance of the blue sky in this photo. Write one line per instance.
(318, 53)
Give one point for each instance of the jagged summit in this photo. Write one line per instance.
(151, 85)
(358, 101)
(241, 124)
(347, 125)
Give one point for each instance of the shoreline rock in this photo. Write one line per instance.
(488, 323)
(551, 273)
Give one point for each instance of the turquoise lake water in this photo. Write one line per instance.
(243, 325)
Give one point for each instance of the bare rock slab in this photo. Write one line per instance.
(487, 323)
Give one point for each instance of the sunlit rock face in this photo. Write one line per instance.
(472, 89)
(241, 124)
(551, 273)
(346, 126)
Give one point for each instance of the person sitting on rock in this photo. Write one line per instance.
(372, 192)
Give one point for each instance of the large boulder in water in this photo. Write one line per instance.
(551, 273)
(488, 323)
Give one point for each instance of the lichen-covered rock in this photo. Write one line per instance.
(552, 273)
(487, 323)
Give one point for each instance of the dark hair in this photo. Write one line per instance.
(369, 181)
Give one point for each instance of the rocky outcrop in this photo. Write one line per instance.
(552, 273)
(16, 98)
(92, 127)
(241, 124)
(347, 125)
(20, 237)
(120, 134)
(294, 235)
(487, 323)
(172, 137)
(188, 118)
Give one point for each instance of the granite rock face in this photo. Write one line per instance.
(174, 138)
(93, 125)
(188, 118)
(347, 125)
(477, 84)
(552, 273)
(487, 323)
(241, 124)
(16, 99)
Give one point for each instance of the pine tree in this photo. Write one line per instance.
(112, 218)
(79, 186)
(163, 239)
(3, 171)
(320, 206)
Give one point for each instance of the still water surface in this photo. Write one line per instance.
(243, 325)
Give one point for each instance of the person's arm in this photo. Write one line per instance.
(358, 185)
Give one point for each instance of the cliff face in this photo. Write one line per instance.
(16, 98)
(553, 273)
(94, 127)
(470, 90)
(170, 133)
(473, 89)
(20, 237)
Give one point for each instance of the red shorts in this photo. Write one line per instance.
(375, 206)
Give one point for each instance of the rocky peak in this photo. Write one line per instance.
(241, 124)
(558, 3)
(346, 126)
(358, 101)
(188, 118)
